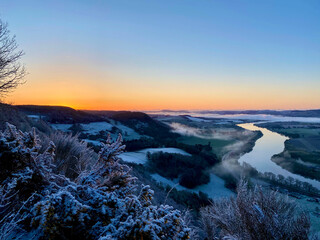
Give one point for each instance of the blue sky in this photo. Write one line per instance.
(246, 50)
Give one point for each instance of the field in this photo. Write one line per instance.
(214, 189)
(140, 157)
(294, 129)
(218, 145)
(91, 132)
(223, 136)
(302, 132)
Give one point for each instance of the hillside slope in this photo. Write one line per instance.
(59, 114)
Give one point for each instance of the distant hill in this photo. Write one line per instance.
(140, 122)
(59, 114)
(286, 113)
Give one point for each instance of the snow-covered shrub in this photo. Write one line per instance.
(101, 204)
(108, 174)
(255, 215)
(72, 156)
(22, 169)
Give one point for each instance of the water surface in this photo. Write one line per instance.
(269, 144)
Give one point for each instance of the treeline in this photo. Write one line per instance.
(293, 165)
(205, 150)
(142, 143)
(191, 170)
(290, 184)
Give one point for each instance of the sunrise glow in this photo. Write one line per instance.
(145, 56)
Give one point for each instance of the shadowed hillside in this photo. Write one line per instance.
(12, 114)
(59, 114)
(140, 122)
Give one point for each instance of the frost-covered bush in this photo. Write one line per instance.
(72, 156)
(101, 204)
(255, 215)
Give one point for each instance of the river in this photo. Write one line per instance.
(269, 144)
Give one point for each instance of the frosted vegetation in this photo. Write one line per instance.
(255, 214)
(37, 201)
(99, 204)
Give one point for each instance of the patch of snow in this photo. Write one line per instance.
(134, 157)
(92, 128)
(62, 127)
(95, 127)
(35, 117)
(214, 189)
(128, 133)
(140, 157)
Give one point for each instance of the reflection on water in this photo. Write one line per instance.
(269, 144)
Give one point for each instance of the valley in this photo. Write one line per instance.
(231, 145)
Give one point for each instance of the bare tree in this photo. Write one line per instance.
(11, 70)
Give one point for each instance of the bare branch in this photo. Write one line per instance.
(11, 70)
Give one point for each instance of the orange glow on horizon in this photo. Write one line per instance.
(113, 92)
(141, 104)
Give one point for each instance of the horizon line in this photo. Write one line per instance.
(171, 110)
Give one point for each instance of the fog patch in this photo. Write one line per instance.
(209, 133)
(237, 146)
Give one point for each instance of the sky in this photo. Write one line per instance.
(168, 54)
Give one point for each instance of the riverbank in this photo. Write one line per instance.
(301, 154)
(270, 144)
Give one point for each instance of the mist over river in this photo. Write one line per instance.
(269, 144)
